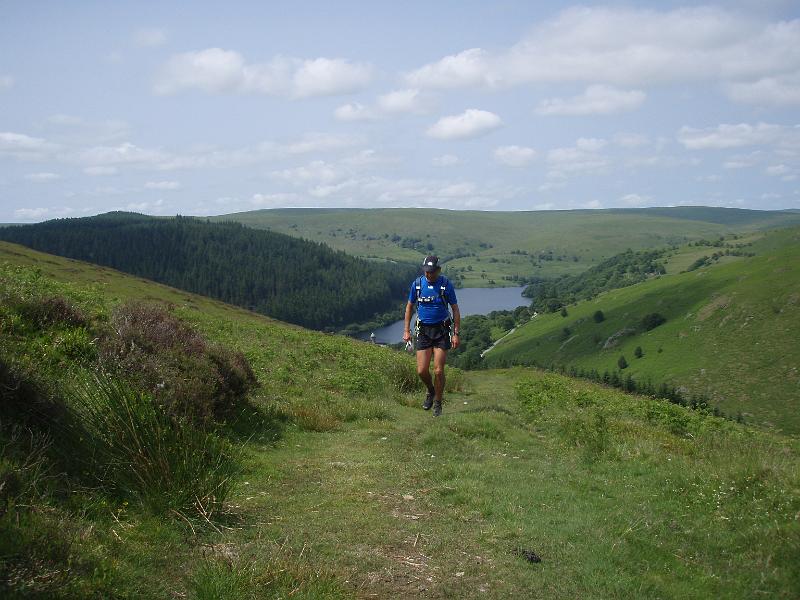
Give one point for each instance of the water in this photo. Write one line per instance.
(471, 301)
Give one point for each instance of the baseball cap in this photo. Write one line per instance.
(431, 263)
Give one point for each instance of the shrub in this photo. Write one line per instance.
(652, 320)
(50, 311)
(161, 354)
(638, 352)
(598, 316)
(590, 433)
(622, 363)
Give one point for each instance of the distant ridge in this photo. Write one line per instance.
(485, 248)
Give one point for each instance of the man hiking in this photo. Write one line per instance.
(436, 332)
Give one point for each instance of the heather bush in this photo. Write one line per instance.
(164, 356)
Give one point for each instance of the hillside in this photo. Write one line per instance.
(483, 247)
(293, 280)
(731, 330)
(346, 489)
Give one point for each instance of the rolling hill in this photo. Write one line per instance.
(530, 484)
(290, 279)
(483, 247)
(731, 330)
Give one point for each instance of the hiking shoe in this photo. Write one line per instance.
(428, 401)
(437, 408)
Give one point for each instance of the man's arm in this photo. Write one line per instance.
(407, 323)
(456, 325)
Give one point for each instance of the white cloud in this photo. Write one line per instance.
(162, 185)
(548, 186)
(42, 177)
(329, 77)
(584, 157)
(30, 214)
(74, 130)
(457, 190)
(322, 142)
(397, 102)
(733, 136)
(468, 68)
(355, 111)
(595, 100)
(777, 170)
(97, 171)
(663, 161)
(469, 124)
(278, 200)
(6, 82)
(404, 101)
(366, 158)
(783, 171)
(24, 147)
(590, 144)
(215, 70)
(151, 207)
(446, 160)
(780, 90)
(317, 171)
(630, 140)
(514, 156)
(150, 37)
(628, 46)
(635, 199)
(125, 153)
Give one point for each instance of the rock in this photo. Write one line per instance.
(613, 340)
(408, 497)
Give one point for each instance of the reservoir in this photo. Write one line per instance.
(471, 301)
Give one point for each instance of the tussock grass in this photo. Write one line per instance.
(135, 449)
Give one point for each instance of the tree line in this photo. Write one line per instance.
(621, 270)
(290, 279)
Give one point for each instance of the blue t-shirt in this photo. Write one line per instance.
(431, 308)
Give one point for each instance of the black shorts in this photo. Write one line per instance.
(433, 336)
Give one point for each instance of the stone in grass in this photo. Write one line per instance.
(529, 555)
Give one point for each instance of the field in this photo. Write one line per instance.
(731, 330)
(348, 490)
(486, 247)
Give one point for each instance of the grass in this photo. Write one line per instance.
(348, 489)
(730, 333)
(578, 239)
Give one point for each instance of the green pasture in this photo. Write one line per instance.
(731, 331)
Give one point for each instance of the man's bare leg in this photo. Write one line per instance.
(439, 359)
(423, 367)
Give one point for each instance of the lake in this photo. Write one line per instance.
(471, 301)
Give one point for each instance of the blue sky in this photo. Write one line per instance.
(210, 108)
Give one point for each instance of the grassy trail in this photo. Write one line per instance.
(423, 507)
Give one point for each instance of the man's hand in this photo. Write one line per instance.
(456, 340)
(407, 335)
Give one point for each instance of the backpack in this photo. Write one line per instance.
(442, 288)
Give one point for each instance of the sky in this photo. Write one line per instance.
(208, 108)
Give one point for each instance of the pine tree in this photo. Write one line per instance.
(622, 363)
(638, 352)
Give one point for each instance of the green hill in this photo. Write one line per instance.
(336, 485)
(731, 331)
(293, 280)
(503, 247)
